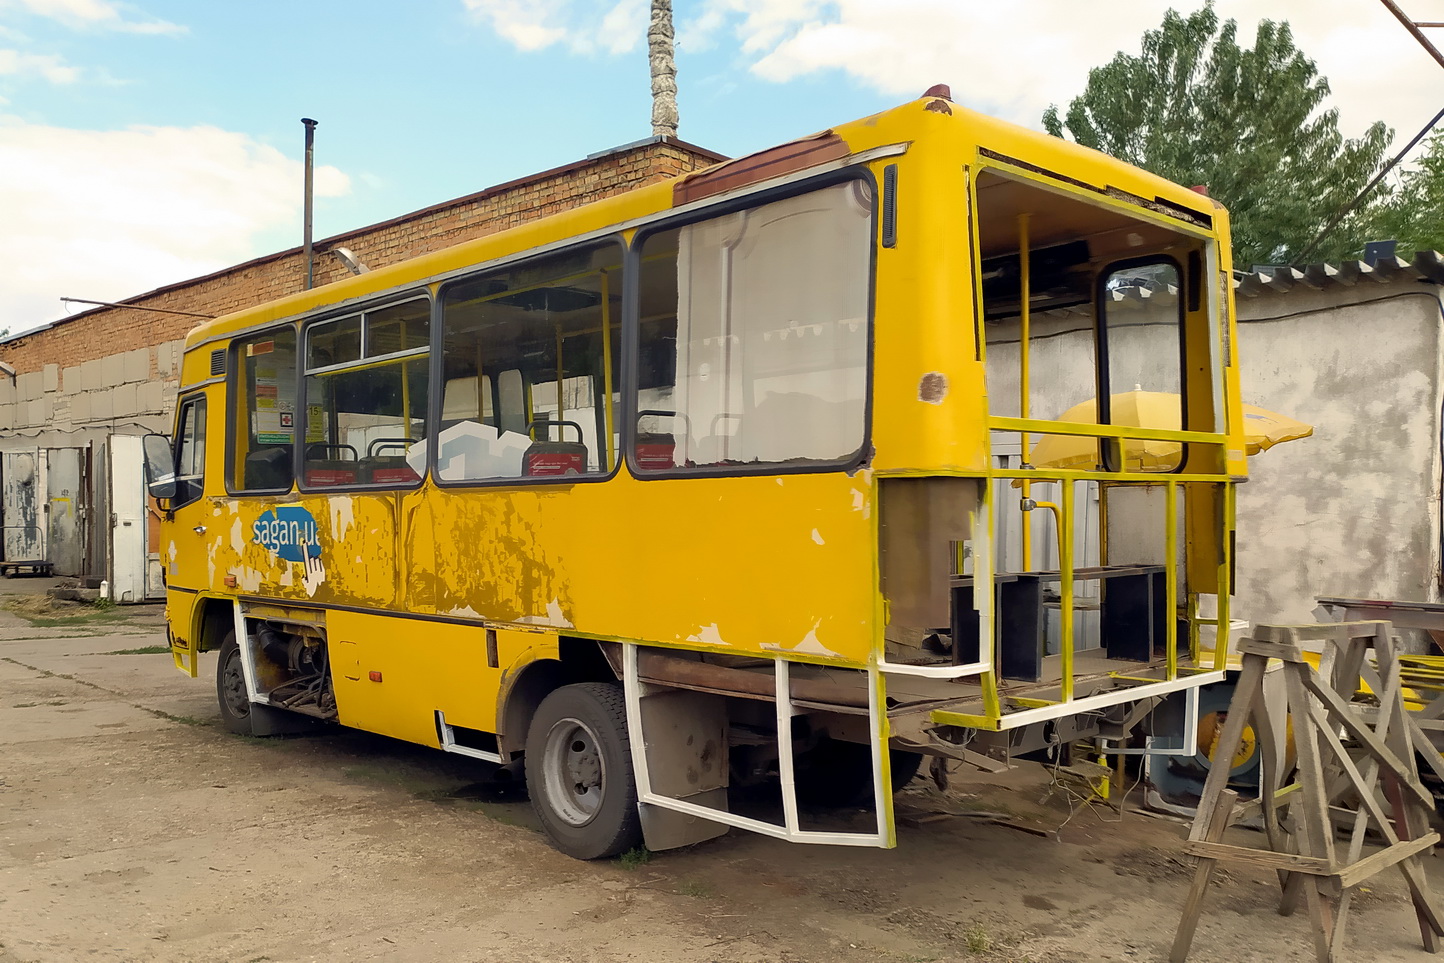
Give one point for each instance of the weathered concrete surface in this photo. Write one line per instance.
(132, 828)
(1353, 510)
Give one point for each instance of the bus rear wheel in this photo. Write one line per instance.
(231, 691)
(579, 771)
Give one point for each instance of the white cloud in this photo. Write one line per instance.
(1013, 59)
(96, 14)
(583, 26)
(108, 214)
(15, 63)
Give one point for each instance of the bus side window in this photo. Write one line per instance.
(264, 386)
(525, 353)
(366, 398)
(754, 336)
(190, 455)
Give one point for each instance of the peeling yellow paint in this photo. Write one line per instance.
(707, 635)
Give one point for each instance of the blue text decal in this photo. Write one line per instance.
(289, 531)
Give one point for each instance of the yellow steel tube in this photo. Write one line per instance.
(983, 582)
(1024, 321)
(1170, 575)
(405, 388)
(1090, 430)
(561, 407)
(611, 426)
(1225, 567)
(1065, 587)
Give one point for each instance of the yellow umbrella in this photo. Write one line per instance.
(1152, 409)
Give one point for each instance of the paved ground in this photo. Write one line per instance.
(133, 828)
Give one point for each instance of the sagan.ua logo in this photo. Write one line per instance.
(289, 531)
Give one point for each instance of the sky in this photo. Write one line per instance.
(143, 143)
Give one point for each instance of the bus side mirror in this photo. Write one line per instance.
(159, 466)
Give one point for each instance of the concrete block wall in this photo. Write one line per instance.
(87, 341)
(131, 390)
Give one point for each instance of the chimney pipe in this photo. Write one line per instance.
(309, 190)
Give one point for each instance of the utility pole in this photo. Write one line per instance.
(309, 191)
(664, 70)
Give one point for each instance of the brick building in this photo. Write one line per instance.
(81, 390)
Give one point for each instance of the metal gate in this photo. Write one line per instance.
(65, 509)
(22, 484)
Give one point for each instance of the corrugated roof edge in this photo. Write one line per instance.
(1425, 266)
(346, 235)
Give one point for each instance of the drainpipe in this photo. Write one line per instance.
(310, 179)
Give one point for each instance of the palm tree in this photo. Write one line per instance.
(664, 70)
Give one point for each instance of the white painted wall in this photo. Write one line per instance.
(1353, 510)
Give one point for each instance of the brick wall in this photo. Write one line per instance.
(102, 332)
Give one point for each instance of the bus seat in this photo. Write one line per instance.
(268, 467)
(656, 451)
(324, 472)
(378, 468)
(547, 457)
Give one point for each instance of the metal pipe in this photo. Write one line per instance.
(1024, 321)
(135, 307)
(1065, 589)
(1170, 574)
(1413, 28)
(309, 190)
(611, 428)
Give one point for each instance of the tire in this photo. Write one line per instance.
(579, 771)
(835, 773)
(231, 692)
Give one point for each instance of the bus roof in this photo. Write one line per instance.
(904, 124)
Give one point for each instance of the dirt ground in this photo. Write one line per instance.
(133, 827)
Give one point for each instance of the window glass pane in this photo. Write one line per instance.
(1141, 334)
(335, 342)
(525, 367)
(400, 327)
(754, 335)
(365, 424)
(265, 392)
(191, 453)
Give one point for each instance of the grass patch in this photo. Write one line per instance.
(183, 720)
(695, 889)
(31, 705)
(45, 612)
(976, 939)
(635, 858)
(143, 650)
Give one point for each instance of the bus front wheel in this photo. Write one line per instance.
(579, 771)
(231, 687)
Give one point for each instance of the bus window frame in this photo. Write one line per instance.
(1109, 450)
(303, 352)
(199, 401)
(438, 388)
(631, 346)
(232, 384)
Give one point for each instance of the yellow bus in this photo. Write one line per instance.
(731, 479)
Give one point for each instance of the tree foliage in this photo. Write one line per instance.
(1413, 212)
(1250, 124)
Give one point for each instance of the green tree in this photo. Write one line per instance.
(1249, 124)
(1413, 212)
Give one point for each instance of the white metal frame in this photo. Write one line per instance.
(633, 690)
(449, 743)
(248, 657)
(1188, 747)
(1104, 700)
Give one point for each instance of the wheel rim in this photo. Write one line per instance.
(233, 687)
(575, 772)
